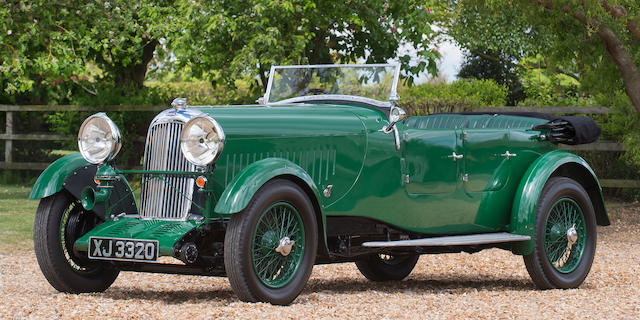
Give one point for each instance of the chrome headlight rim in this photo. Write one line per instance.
(183, 137)
(115, 133)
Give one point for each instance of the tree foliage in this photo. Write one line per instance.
(498, 67)
(52, 47)
(594, 41)
(226, 40)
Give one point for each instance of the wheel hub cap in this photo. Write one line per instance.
(284, 246)
(572, 235)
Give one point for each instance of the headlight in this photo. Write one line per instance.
(99, 139)
(202, 140)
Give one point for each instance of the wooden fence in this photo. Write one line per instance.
(9, 136)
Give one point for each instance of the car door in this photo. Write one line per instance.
(485, 168)
(431, 158)
(488, 175)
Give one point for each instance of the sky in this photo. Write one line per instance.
(452, 58)
(448, 65)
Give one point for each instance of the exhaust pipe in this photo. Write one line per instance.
(89, 197)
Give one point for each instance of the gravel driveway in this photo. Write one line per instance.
(489, 284)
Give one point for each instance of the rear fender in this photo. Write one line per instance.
(243, 187)
(73, 174)
(554, 163)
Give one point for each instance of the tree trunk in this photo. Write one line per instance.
(133, 75)
(263, 77)
(625, 63)
(618, 53)
(615, 48)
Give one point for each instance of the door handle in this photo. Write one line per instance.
(508, 155)
(455, 156)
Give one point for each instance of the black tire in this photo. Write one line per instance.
(239, 245)
(544, 273)
(387, 267)
(66, 271)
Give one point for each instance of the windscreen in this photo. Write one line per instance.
(370, 81)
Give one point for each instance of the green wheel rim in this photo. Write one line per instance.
(561, 254)
(278, 221)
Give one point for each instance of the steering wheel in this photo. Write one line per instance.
(313, 91)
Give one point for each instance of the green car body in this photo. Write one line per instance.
(432, 176)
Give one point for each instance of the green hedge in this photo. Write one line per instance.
(461, 95)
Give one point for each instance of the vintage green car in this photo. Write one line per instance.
(325, 169)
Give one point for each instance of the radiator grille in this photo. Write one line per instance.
(164, 197)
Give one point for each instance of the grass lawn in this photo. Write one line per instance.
(16, 218)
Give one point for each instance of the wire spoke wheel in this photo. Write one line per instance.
(280, 226)
(564, 237)
(564, 223)
(270, 247)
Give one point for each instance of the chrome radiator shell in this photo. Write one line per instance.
(167, 196)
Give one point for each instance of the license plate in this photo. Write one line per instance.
(123, 249)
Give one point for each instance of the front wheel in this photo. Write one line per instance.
(270, 247)
(60, 221)
(564, 236)
(385, 267)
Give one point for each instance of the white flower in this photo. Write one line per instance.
(9, 32)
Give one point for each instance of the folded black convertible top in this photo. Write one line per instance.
(562, 129)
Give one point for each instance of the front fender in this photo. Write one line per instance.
(73, 174)
(554, 163)
(243, 187)
(52, 178)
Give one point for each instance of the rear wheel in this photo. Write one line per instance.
(60, 221)
(565, 236)
(270, 247)
(384, 267)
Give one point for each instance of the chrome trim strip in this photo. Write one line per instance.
(294, 66)
(473, 239)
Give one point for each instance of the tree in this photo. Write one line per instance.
(483, 65)
(44, 44)
(616, 24)
(227, 40)
(595, 41)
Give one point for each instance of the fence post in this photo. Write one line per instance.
(8, 144)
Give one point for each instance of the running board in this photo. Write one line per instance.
(485, 238)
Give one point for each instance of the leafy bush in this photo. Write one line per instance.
(461, 95)
(473, 92)
(544, 89)
(424, 106)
